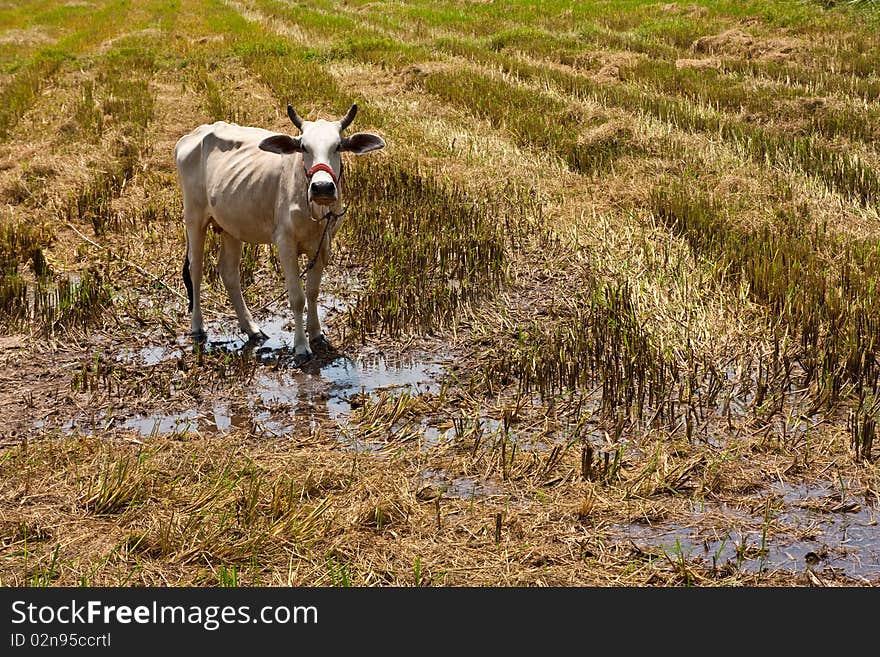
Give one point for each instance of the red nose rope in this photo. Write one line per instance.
(330, 216)
(320, 166)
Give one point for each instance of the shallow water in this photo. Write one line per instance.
(465, 487)
(800, 537)
(321, 388)
(150, 355)
(323, 392)
(226, 337)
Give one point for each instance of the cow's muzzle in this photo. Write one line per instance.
(322, 192)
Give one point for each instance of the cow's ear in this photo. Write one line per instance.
(281, 144)
(361, 142)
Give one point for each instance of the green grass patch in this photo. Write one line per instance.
(820, 287)
(433, 249)
(536, 121)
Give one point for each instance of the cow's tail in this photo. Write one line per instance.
(187, 279)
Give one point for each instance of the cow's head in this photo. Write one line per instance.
(322, 145)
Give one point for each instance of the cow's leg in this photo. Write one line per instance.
(289, 257)
(196, 227)
(313, 283)
(229, 264)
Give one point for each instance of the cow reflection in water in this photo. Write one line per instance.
(281, 395)
(283, 392)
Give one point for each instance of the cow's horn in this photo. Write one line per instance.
(294, 117)
(348, 118)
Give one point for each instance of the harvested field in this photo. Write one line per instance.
(604, 312)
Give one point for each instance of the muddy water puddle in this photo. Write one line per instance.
(434, 481)
(282, 389)
(808, 528)
(227, 338)
(276, 398)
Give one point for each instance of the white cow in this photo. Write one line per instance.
(257, 186)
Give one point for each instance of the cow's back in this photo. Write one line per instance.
(223, 172)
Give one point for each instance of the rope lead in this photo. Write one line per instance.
(329, 218)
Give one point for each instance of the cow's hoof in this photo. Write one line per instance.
(320, 343)
(303, 358)
(199, 336)
(257, 338)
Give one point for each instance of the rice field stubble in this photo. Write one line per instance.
(603, 313)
